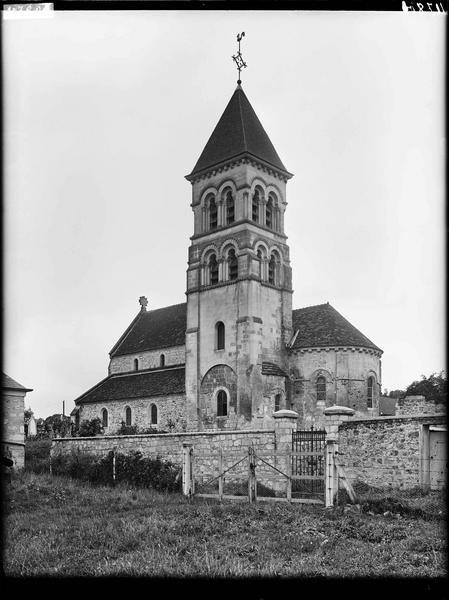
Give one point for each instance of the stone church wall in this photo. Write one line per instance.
(148, 360)
(171, 412)
(346, 372)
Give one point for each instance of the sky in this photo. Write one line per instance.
(105, 112)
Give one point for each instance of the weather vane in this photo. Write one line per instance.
(241, 64)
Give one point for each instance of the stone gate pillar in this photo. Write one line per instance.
(333, 417)
(285, 422)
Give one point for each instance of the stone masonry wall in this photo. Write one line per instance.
(170, 447)
(171, 412)
(384, 451)
(176, 355)
(13, 428)
(418, 405)
(346, 371)
(206, 447)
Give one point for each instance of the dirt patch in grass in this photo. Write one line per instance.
(63, 527)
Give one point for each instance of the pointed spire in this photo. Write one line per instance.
(238, 132)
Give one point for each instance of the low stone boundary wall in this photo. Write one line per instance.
(206, 446)
(166, 445)
(385, 451)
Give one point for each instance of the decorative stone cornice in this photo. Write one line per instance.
(202, 288)
(362, 349)
(239, 222)
(246, 159)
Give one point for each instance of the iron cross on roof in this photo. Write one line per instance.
(241, 64)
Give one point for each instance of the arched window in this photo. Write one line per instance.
(153, 414)
(233, 266)
(255, 206)
(104, 417)
(162, 360)
(222, 404)
(277, 402)
(136, 364)
(272, 270)
(213, 270)
(370, 396)
(269, 214)
(321, 389)
(230, 209)
(220, 336)
(127, 416)
(212, 214)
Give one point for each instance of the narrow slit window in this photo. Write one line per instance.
(277, 402)
(222, 404)
(369, 400)
(220, 335)
(233, 265)
(104, 417)
(136, 364)
(269, 214)
(128, 416)
(162, 360)
(259, 256)
(213, 214)
(255, 206)
(153, 414)
(230, 209)
(272, 270)
(213, 269)
(321, 389)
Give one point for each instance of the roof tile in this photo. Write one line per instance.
(322, 325)
(153, 330)
(137, 384)
(237, 132)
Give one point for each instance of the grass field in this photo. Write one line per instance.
(65, 528)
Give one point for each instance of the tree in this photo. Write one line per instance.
(434, 387)
(57, 425)
(90, 428)
(397, 394)
(28, 413)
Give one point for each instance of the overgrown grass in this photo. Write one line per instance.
(37, 455)
(58, 526)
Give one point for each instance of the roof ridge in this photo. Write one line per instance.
(164, 307)
(314, 306)
(245, 145)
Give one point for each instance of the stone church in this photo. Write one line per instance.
(235, 352)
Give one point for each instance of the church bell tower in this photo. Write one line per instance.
(239, 290)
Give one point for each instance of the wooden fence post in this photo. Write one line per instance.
(331, 480)
(187, 470)
(114, 452)
(220, 471)
(252, 485)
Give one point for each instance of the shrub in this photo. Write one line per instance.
(127, 429)
(134, 430)
(90, 428)
(37, 455)
(132, 469)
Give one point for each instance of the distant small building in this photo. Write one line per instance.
(13, 429)
(30, 427)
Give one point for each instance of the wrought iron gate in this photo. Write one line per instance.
(308, 463)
